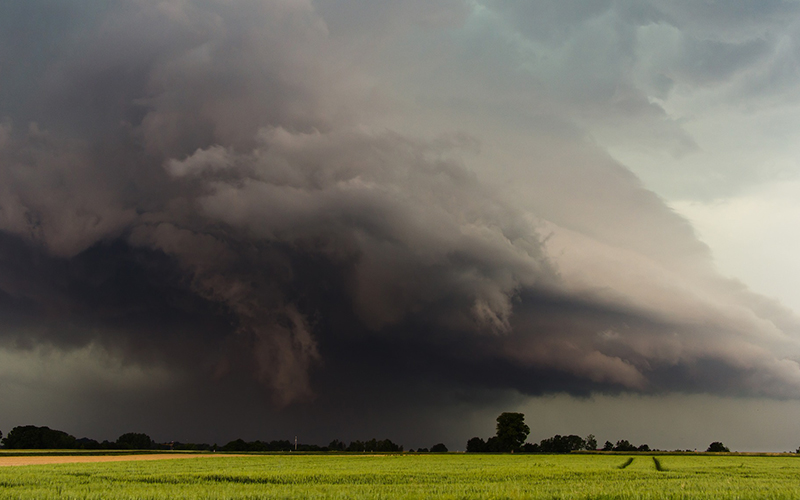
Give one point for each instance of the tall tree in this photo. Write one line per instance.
(512, 431)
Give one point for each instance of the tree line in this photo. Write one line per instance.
(510, 437)
(33, 437)
(512, 433)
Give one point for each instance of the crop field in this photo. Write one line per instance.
(406, 476)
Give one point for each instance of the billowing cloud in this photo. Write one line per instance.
(294, 194)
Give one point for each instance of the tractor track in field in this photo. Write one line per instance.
(627, 463)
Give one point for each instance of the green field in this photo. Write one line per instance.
(413, 476)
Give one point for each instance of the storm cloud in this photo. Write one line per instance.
(340, 205)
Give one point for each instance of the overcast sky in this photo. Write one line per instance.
(364, 218)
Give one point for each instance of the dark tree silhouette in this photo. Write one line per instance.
(624, 445)
(337, 445)
(384, 445)
(32, 437)
(531, 448)
(274, 445)
(236, 445)
(494, 445)
(591, 442)
(608, 446)
(356, 446)
(134, 441)
(476, 445)
(85, 443)
(562, 444)
(512, 431)
(716, 446)
(439, 448)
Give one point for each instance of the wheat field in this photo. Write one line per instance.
(413, 476)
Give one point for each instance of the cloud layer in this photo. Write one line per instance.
(339, 199)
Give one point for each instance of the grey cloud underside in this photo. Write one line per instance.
(146, 308)
(206, 186)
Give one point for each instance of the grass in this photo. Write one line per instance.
(406, 476)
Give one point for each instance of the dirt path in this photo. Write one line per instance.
(79, 459)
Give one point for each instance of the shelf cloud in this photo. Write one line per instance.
(346, 204)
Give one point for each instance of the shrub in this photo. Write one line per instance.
(530, 448)
(476, 445)
(624, 445)
(716, 446)
(439, 448)
(134, 441)
(562, 444)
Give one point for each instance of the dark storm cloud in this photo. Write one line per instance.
(203, 189)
